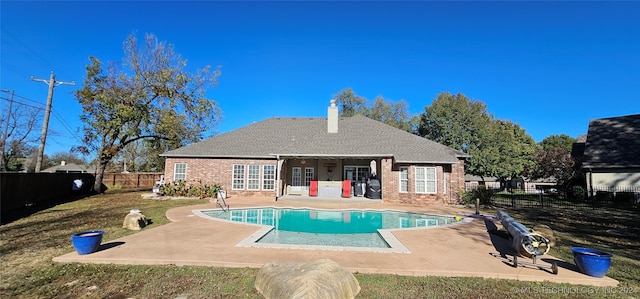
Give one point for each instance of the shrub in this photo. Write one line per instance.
(115, 187)
(194, 189)
(485, 195)
(577, 192)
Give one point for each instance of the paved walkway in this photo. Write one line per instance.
(467, 250)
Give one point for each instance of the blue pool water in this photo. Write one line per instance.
(350, 228)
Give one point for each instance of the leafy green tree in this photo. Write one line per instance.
(562, 141)
(498, 148)
(455, 121)
(395, 114)
(350, 104)
(150, 97)
(513, 148)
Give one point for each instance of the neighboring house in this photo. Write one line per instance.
(289, 156)
(611, 159)
(473, 182)
(69, 168)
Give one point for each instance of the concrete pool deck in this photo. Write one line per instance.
(465, 250)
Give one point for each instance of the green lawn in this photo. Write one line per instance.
(28, 245)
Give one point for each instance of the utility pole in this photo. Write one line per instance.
(45, 126)
(6, 132)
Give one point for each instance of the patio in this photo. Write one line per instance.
(466, 250)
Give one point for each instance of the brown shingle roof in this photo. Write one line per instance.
(300, 137)
(613, 142)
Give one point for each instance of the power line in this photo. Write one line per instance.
(23, 104)
(66, 126)
(33, 53)
(26, 99)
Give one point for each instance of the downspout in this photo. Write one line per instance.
(590, 181)
(277, 176)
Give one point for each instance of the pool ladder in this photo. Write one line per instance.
(220, 200)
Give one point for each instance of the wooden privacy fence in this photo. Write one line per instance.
(27, 190)
(20, 190)
(131, 180)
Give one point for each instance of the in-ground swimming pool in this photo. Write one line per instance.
(367, 230)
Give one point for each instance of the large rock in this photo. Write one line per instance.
(135, 220)
(320, 279)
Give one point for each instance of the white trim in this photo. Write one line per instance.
(426, 180)
(313, 175)
(255, 180)
(175, 166)
(293, 178)
(444, 182)
(400, 179)
(233, 176)
(265, 180)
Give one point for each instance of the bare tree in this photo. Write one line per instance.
(18, 135)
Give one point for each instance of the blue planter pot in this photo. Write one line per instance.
(592, 262)
(87, 242)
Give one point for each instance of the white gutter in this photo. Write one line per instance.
(335, 155)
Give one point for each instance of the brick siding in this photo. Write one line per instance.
(391, 184)
(209, 171)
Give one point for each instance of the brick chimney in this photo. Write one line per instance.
(332, 118)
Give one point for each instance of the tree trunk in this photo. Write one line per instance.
(97, 186)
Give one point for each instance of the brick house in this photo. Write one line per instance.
(324, 157)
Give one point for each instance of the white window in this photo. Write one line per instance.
(253, 177)
(425, 180)
(238, 177)
(180, 172)
(404, 179)
(444, 183)
(309, 174)
(296, 179)
(269, 177)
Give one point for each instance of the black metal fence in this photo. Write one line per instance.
(602, 197)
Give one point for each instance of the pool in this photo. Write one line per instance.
(359, 230)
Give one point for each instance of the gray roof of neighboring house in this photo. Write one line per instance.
(357, 136)
(476, 178)
(67, 167)
(613, 142)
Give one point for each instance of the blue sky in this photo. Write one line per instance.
(548, 66)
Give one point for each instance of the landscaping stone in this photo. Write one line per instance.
(546, 232)
(319, 279)
(135, 220)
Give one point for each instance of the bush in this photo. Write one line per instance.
(195, 189)
(115, 187)
(485, 195)
(577, 192)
